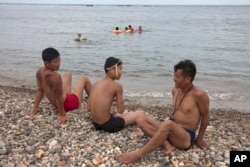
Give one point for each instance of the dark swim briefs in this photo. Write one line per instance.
(114, 124)
(71, 102)
(192, 136)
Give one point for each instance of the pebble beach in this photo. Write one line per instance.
(38, 141)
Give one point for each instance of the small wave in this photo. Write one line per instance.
(147, 94)
(228, 96)
(213, 95)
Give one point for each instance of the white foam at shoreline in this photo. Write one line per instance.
(241, 106)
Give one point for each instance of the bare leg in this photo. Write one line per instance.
(66, 82)
(169, 148)
(135, 156)
(130, 157)
(180, 137)
(130, 117)
(147, 125)
(83, 82)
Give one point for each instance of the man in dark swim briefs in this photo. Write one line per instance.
(190, 108)
(103, 92)
(57, 88)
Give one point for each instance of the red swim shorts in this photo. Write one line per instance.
(71, 102)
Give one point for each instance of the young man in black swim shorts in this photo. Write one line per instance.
(101, 98)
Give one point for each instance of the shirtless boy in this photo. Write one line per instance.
(103, 92)
(56, 88)
(191, 107)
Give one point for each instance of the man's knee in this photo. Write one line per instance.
(67, 75)
(166, 125)
(84, 78)
(141, 118)
(140, 112)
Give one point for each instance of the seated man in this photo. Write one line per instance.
(56, 88)
(103, 92)
(191, 107)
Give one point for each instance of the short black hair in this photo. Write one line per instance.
(110, 62)
(49, 54)
(188, 68)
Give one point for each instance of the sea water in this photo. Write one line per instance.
(216, 38)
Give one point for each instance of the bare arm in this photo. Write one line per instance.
(39, 95)
(55, 83)
(203, 105)
(119, 99)
(173, 95)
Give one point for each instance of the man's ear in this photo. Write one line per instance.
(188, 79)
(46, 63)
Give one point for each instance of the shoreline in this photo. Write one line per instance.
(241, 106)
(39, 141)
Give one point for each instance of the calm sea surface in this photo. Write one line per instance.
(216, 38)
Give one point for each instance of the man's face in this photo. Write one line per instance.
(119, 72)
(54, 65)
(116, 71)
(179, 79)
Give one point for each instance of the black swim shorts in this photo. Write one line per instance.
(114, 124)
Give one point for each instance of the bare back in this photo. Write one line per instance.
(101, 97)
(51, 84)
(188, 113)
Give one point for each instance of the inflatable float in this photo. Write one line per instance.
(81, 39)
(117, 31)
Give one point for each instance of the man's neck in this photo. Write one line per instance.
(47, 69)
(187, 88)
(109, 77)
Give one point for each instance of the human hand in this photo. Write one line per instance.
(113, 111)
(202, 144)
(62, 119)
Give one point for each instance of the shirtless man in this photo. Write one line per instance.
(191, 107)
(56, 88)
(103, 92)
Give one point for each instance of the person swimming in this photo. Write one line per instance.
(117, 30)
(80, 37)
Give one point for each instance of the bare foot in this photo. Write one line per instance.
(33, 112)
(130, 157)
(169, 148)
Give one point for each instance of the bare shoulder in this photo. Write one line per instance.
(53, 78)
(117, 87)
(114, 84)
(39, 71)
(199, 93)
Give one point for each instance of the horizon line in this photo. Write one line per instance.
(25, 3)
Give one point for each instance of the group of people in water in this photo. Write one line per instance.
(128, 29)
(190, 105)
(117, 30)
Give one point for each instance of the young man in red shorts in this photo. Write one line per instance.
(56, 88)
